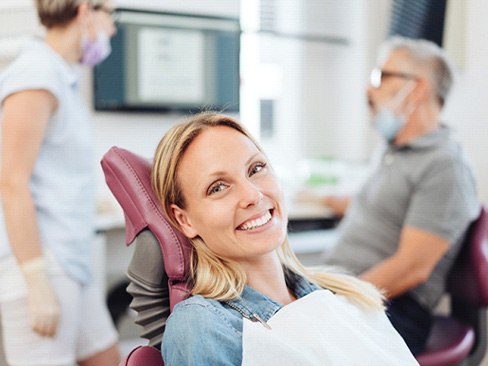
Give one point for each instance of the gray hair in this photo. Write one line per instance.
(60, 12)
(426, 56)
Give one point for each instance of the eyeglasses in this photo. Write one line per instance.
(377, 76)
(112, 13)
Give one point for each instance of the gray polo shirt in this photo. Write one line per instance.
(426, 184)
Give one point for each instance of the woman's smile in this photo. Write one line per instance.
(256, 223)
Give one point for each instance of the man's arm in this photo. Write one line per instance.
(338, 204)
(418, 253)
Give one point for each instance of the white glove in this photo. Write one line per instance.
(44, 309)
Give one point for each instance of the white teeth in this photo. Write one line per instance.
(256, 223)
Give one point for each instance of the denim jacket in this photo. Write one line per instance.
(202, 331)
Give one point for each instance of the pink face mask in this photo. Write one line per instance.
(94, 52)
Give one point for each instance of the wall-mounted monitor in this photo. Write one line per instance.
(168, 61)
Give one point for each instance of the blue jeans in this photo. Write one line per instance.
(411, 320)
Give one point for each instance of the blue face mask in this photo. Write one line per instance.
(386, 121)
(388, 124)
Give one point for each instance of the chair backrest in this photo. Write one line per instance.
(129, 178)
(460, 337)
(468, 285)
(468, 280)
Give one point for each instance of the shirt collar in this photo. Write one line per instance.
(252, 302)
(428, 140)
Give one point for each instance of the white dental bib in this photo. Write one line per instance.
(324, 329)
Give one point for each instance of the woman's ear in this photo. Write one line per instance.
(184, 221)
(84, 18)
(83, 12)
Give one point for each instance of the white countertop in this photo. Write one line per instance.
(313, 241)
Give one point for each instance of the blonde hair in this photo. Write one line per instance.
(54, 13)
(214, 276)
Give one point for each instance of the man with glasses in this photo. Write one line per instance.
(404, 228)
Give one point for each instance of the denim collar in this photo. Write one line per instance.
(258, 307)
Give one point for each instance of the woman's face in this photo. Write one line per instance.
(102, 19)
(233, 200)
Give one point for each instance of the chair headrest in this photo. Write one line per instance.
(469, 277)
(129, 178)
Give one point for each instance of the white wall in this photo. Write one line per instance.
(17, 20)
(467, 109)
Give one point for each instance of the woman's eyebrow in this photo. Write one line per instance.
(221, 172)
(253, 157)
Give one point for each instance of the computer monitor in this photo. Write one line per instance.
(169, 61)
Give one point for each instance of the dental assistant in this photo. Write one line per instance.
(51, 315)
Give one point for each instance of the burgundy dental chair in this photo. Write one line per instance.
(460, 337)
(157, 272)
(159, 265)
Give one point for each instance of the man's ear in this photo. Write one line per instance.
(422, 88)
(184, 221)
(416, 92)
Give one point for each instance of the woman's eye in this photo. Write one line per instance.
(216, 188)
(256, 168)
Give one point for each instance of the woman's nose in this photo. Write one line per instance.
(250, 194)
(111, 29)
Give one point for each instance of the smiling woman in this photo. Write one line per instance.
(251, 296)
